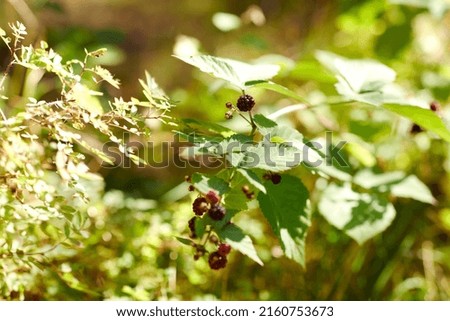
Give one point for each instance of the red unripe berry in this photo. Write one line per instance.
(212, 197)
(224, 249)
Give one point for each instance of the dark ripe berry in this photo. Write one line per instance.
(191, 225)
(217, 212)
(229, 115)
(200, 206)
(224, 249)
(217, 261)
(245, 103)
(415, 129)
(191, 188)
(434, 106)
(229, 105)
(213, 239)
(276, 178)
(212, 197)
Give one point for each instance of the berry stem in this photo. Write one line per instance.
(208, 234)
(248, 121)
(252, 123)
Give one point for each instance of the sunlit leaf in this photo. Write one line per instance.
(425, 118)
(205, 184)
(361, 75)
(285, 207)
(412, 187)
(235, 72)
(252, 178)
(359, 215)
(269, 85)
(234, 236)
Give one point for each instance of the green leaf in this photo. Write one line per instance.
(252, 178)
(184, 241)
(106, 76)
(235, 199)
(360, 216)
(425, 118)
(205, 184)
(371, 82)
(436, 7)
(269, 85)
(285, 207)
(271, 156)
(412, 187)
(361, 153)
(264, 122)
(234, 236)
(235, 72)
(368, 179)
(208, 127)
(359, 75)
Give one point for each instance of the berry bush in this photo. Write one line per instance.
(330, 165)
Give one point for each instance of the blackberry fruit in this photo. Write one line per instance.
(212, 197)
(245, 103)
(200, 206)
(217, 212)
(191, 188)
(224, 249)
(217, 261)
(276, 178)
(191, 225)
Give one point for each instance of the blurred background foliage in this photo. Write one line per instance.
(129, 250)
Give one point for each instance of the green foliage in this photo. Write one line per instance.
(285, 207)
(280, 148)
(45, 146)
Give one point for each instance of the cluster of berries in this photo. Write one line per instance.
(209, 204)
(244, 103)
